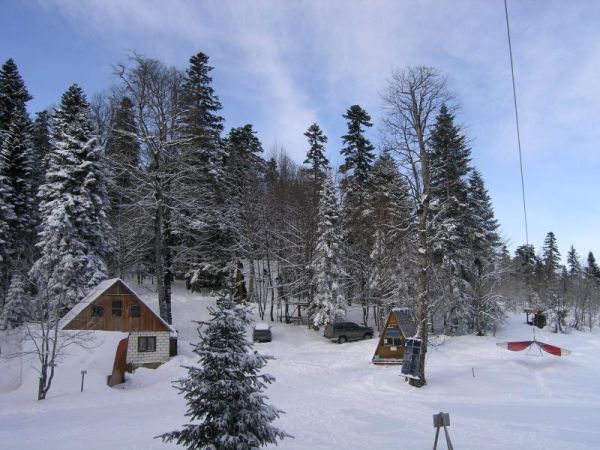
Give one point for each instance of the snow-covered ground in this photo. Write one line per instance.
(332, 394)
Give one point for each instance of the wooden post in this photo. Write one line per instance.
(83, 372)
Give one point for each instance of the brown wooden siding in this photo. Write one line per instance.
(387, 352)
(108, 322)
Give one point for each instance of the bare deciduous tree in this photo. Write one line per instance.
(412, 100)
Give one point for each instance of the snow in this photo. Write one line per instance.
(332, 394)
(261, 326)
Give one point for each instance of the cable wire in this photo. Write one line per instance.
(512, 71)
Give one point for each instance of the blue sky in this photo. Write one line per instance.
(283, 65)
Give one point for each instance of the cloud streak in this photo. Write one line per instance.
(282, 65)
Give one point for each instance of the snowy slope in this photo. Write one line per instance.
(333, 396)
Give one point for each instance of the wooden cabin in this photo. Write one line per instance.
(398, 326)
(114, 306)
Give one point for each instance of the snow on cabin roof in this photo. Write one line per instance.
(96, 292)
(405, 322)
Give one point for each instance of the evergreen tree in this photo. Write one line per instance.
(202, 122)
(74, 237)
(550, 256)
(17, 167)
(573, 262)
(359, 153)
(449, 159)
(123, 151)
(7, 216)
(315, 157)
(327, 304)
(13, 95)
(123, 148)
(592, 267)
(201, 218)
(16, 308)
(225, 392)
(40, 137)
(483, 263)
(356, 170)
(551, 286)
(391, 218)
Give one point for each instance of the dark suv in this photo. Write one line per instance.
(347, 331)
(261, 332)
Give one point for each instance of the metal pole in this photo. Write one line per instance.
(83, 372)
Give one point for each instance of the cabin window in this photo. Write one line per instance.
(97, 311)
(117, 308)
(392, 342)
(392, 338)
(146, 344)
(134, 311)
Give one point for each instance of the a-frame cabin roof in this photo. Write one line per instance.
(405, 322)
(101, 289)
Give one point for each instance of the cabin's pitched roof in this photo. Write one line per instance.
(405, 322)
(96, 292)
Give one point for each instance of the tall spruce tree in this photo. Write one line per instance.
(483, 263)
(573, 262)
(358, 152)
(123, 151)
(16, 310)
(551, 282)
(356, 171)
(391, 217)
(449, 159)
(17, 217)
(13, 95)
(202, 122)
(315, 157)
(203, 215)
(18, 169)
(75, 236)
(225, 392)
(40, 137)
(327, 304)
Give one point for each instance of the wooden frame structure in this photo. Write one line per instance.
(114, 306)
(390, 348)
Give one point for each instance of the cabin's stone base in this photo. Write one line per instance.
(148, 359)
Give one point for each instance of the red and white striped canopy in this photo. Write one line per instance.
(517, 346)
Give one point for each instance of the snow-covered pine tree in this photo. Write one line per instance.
(483, 264)
(18, 169)
(17, 304)
(122, 149)
(315, 157)
(224, 394)
(7, 215)
(449, 159)
(13, 95)
(40, 137)
(75, 236)
(201, 217)
(327, 304)
(243, 171)
(202, 122)
(356, 171)
(16, 222)
(391, 214)
(576, 294)
(551, 295)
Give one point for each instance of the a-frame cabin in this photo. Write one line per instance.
(114, 306)
(398, 327)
